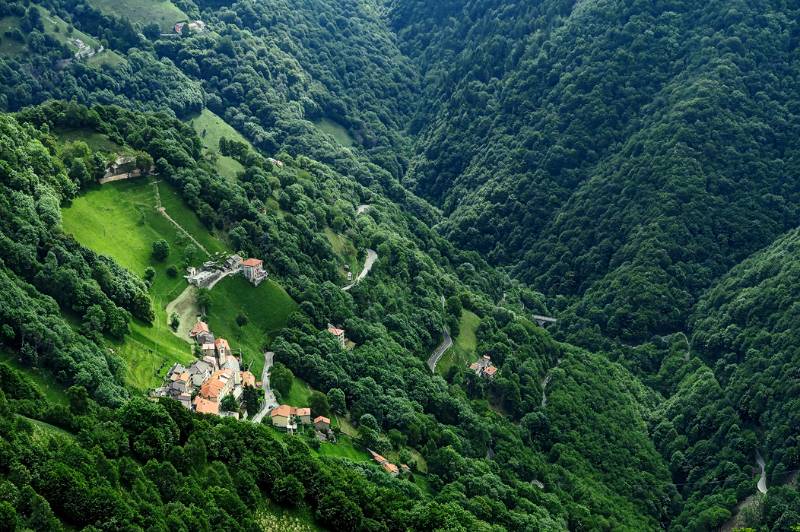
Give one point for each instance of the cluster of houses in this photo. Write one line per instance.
(194, 26)
(212, 271)
(287, 418)
(484, 367)
(387, 466)
(202, 386)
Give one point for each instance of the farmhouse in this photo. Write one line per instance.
(304, 415)
(339, 334)
(282, 417)
(253, 270)
(275, 162)
(384, 463)
(196, 26)
(199, 328)
(322, 424)
(483, 367)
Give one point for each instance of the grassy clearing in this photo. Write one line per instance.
(96, 141)
(119, 220)
(44, 432)
(42, 379)
(344, 448)
(272, 517)
(299, 394)
(335, 130)
(465, 345)
(345, 250)
(267, 308)
(210, 128)
(8, 47)
(162, 12)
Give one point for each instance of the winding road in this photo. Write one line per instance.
(446, 344)
(546, 381)
(269, 396)
(372, 256)
(762, 480)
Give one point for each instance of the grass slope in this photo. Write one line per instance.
(335, 130)
(162, 12)
(345, 250)
(44, 381)
(266, 306)
(210, 128)
(119, 220)
(465, 344)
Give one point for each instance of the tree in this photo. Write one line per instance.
(204, 299)
(149, 274)
(337, 401)
(78, 399)
(229, 404)
(174, 321)
(319, 404)
(288, 491)
(252, 397)
(160, 250)
(339, 512)
(281, 378)
(241, 319)
(151, 31)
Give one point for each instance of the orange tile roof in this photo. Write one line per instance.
(390, 468)
(199, 327)
(204, 406)
(282, 411)
(303, 412)
(335, 331)
(222, 342)
(248, 379)
(491, 370)
(253, 262)
(322, 419)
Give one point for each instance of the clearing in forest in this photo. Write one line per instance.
(162, 12)
(335, 130)
(210, 128)
(465, 345)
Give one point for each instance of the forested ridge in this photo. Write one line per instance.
(626, 167)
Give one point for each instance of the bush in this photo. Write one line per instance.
(172, 271)
(160, 250)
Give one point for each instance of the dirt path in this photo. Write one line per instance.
(120, 177)
(688, 347)
(185, 306)
(762, 480)
(163, 211)
(372, 256)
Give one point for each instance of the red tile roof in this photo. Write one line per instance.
(204, 406)
(491, 370)
(303, 412)
(248, 379)
(336, 332)
(322, 419)
(282, 411)
(222, 342)
(199, 327)
(253, 262)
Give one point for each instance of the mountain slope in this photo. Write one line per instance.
(623, 154)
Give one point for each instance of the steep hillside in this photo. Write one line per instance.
(624, 154)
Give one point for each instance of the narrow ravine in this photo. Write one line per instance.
(546, 381)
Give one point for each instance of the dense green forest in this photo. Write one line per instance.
(626, 167)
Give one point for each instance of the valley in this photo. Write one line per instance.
(401, 265)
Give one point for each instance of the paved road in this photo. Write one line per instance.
(545, 382)
(269, 396)
(446, 344)
(371, 258)
(762, 481)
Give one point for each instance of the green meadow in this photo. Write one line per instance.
(210, 128)
(162, 12)
(120, 220)
(465, 345)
